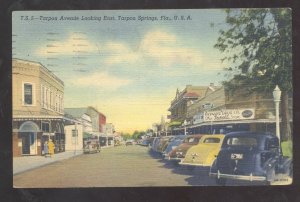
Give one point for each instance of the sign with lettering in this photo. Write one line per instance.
(198, 118)
(228, 114)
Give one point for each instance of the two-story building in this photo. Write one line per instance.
(38, 97)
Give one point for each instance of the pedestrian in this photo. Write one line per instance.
(51, 147)
(46, 151)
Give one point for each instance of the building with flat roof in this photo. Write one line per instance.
(38, 97)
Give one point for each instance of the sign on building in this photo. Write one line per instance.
(228, 114)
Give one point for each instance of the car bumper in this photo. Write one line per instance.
(194, 164)
(173, 158)
(238, 177)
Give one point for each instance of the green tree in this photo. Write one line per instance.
(126, 136)
(258, 45)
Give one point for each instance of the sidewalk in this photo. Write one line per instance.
(25, 163)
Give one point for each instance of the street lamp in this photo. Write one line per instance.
(276, 96)
(185, 123)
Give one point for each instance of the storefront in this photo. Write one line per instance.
(30, 134)
(227, 120)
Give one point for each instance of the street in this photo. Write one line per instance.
(123, 166)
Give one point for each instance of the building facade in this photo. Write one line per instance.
(38, 108)
(102, 122)
(223, 111)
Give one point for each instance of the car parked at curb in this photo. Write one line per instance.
(179, 152)
(177, 140)
(250, 156)
(155, 144)
(164, 141)
(91, 146)
(204, 153)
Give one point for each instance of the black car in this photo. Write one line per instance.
(250, 156)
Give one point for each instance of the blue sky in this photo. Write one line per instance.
(129, 70)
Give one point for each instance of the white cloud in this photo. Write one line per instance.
(120, 53)
(103, 80)
(167, 49)
(76, 44)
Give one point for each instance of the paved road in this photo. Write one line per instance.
(131, 166)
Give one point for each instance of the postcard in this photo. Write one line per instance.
(152, 98)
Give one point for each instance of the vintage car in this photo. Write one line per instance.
(164, 141)
(145, 142)
(91, 146)
(204, 153)
(174, 142)
(155, 144)
(250, 156)
(179, 152)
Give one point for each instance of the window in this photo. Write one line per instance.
(75, 136)
(211, 140)
(242, 141)
(28, 94)
(45, 127)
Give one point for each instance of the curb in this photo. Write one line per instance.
(42, 165)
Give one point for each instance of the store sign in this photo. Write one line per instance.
(198, 118)
(207, 106)
(228, 114)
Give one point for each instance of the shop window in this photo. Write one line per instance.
(45, 127)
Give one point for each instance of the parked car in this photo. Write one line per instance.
(174, 142)
(130, 142)
(250, 156)
(179, 152)
(155, 144)
(91, 146)
(145, 142)
(204, 153)
(163, 143)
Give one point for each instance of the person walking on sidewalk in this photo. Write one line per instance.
(46, 151)
(51, 147)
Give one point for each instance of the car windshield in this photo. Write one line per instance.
(211, 140)
(242, 141)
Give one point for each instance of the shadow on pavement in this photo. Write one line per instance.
(199, 176)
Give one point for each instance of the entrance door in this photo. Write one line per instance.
(32, 143)
(25, 144)
(29, 146)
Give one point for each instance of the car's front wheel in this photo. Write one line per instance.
(270, 176)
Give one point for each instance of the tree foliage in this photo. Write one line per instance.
(258, 45)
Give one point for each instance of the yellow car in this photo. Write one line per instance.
(204, 153)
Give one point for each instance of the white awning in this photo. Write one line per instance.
(233, 122)
(36, 117)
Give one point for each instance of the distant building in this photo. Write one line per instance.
(179, 104)
(79, 114)
(88, 115)
(74, 136)
(102, 122)
(38, 97)
(107, 138)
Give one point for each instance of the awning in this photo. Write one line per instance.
(233, 122)
(175, 123)
(36, 117)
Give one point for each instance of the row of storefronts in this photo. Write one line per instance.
(215, 110)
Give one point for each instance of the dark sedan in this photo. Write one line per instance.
(250, 156)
